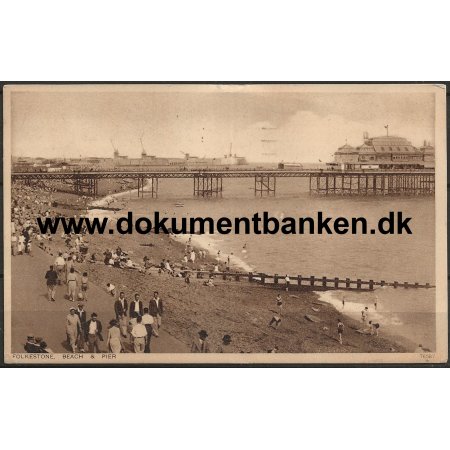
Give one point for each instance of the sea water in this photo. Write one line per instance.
(406, 312)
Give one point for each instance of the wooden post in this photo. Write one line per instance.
(347, 283)
(371, 285)
(263, 278)
(416, 285)
(250, 277)
(382, 283)
(312, 280)
(275, 279)
(336, 282)
(395, 284)
(358, 283)
(324, 281)
(299, 280)
(237, 277)
(406, 285)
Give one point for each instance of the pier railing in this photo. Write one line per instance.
(312, 282)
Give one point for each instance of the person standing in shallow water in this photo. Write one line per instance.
(288, 282)
(364, 315)
(340, 330)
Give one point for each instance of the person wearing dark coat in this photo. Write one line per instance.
(93, 333)
(136, 306)
(156, 309)
(81, 313)
(121, 306)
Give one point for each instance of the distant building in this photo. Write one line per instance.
(188, 160)
(385, 152)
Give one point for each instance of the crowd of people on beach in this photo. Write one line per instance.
(134, 323)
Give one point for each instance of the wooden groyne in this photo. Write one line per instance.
(310, 283)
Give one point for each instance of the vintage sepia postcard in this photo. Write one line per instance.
(225, 224)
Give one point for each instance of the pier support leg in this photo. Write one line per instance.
(208, 185)
(265, 185)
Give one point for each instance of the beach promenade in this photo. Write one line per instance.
(32, 313)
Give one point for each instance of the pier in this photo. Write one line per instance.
(372, 183)
(209, 183)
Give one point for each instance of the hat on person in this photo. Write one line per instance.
(70, 309)
(30, 336)
(80, 305)
(203, 333)
(226, 339)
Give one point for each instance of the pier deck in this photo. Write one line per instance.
(208, 183)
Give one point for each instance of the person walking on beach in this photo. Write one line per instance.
(60, 265)
(73, 326)
(123, 324)
(148, 321)
(193, 256)
(279, 304)
(52, 280)
(121, 306)
(225, 347)
(156, 309)
(113, 342)
(21, 245)
(93, 333)
(201, 345)
(136, 306)
(84, 285)
(343, 302)
(340, 330)
(375, 302)
(139, 333)
(28, 248)
(81, 313)
(72, 285)
(69, 266)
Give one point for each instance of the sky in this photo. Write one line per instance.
(266, 125)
